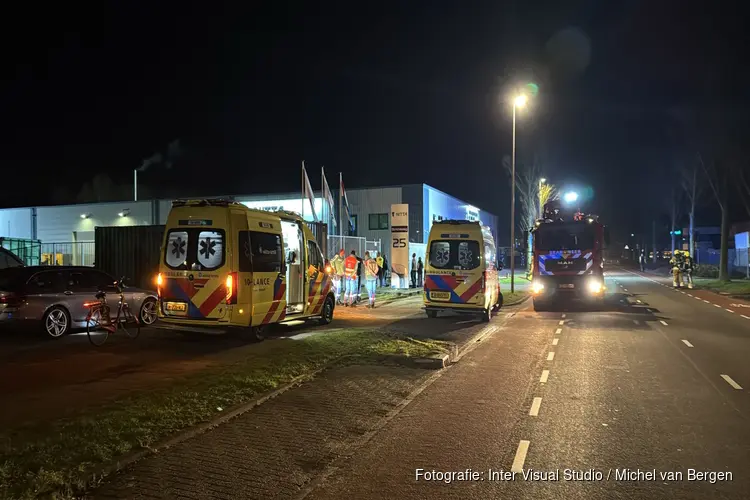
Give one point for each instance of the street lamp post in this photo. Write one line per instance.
(518, 102)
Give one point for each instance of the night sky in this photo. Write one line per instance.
(387, 94)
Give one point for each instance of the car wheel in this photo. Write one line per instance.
(327, 314)
(148, 312)
(499, 303)
(56, 322)
(258, 333)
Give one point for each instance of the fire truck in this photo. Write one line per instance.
(567, 258)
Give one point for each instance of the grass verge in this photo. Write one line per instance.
(48, 460)
(740, 287)
(510, 299)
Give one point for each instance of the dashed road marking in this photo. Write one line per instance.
(731, 382)
(707, 302)
(563, 316)
(544, 377)
(697, 298)
(558, 331)
(636, 322)
(551, 356)
(683, 293)
(746, 317)
(729, 310)
(520, 458)
(624, 289)
(555, 341)
(716, 305)
(663, 322)
(639, 301)
(687, 343)
(534, 411)
(561, 322)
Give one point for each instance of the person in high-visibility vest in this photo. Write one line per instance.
(350, 272)
(337, 263)
(371, 277)
(379, 260)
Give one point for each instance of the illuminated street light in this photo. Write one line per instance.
(518, 102)
(570, 197)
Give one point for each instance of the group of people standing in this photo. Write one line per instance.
(348, 272)
(682, 268)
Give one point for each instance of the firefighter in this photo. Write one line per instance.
(687, 271)
(351, 266)
(677, 264)
(337, 263)
(381, 269)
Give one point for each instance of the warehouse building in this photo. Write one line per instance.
(67, 232)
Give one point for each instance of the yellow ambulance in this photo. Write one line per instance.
(461, 272)
(225, 266)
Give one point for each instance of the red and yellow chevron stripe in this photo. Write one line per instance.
(276, 313)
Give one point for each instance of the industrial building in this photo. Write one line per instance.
(67, 232)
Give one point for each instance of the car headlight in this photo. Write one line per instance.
(596, 286)
(537, 287)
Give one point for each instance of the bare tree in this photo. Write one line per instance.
(674, 206)
(718, 174)
(692, 187)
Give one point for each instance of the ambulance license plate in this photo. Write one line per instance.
(175, 307)
(440, 295)
(567, 285)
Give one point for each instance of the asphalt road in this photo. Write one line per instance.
(645, 399)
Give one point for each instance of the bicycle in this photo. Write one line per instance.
(99, 323)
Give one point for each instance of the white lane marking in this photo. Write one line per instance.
(508, 315)
(746, 317)
(520, 458)
(716, 305)
(624, 289)
(562, 322)
(555, 340)
(544, 377)
(729, 310)
(558, 331)
(563, 316)
(663, 322)
(687, 343)
(683, 293)
(636, 321)
(690, 295)
(551, 356)
(639, 301)
(707, 302)
(731, 382)
(697, 298)
(534, 411)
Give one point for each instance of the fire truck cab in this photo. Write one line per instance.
(567, 259)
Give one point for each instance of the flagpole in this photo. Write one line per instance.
(323, 196)
(341, 206)
(135, 184)
(303, 190)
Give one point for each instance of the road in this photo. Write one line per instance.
(657, 384)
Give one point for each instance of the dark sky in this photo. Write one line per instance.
(385, 93)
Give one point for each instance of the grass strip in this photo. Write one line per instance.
(48, 459)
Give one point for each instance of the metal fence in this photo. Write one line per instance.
(357, 243)
(68, 254)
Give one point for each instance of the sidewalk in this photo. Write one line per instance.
(277, 449)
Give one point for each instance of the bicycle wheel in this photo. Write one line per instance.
(130, 324)
(96, 333)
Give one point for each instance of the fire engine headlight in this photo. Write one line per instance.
(537, 287)
(595, 286)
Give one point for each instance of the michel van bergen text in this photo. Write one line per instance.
(573, 475)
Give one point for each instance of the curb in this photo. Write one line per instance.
(97, 473)
(517, 302)
(437, 362)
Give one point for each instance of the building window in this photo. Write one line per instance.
(378, 221)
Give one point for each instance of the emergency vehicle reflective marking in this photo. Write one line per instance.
(327, 284)
(279, 288)
(200, 300)
(459, 288)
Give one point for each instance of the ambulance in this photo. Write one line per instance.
(461, 272)
(224, 267)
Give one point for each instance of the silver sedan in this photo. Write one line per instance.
(55, 297)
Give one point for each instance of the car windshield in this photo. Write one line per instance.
(578, 236)
(455, 254)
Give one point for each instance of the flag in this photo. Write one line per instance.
(308, 192)
(327, 195)
(345, 201)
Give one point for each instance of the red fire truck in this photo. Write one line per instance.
(567, 259)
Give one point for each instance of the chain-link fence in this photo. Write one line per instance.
(68, 254)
